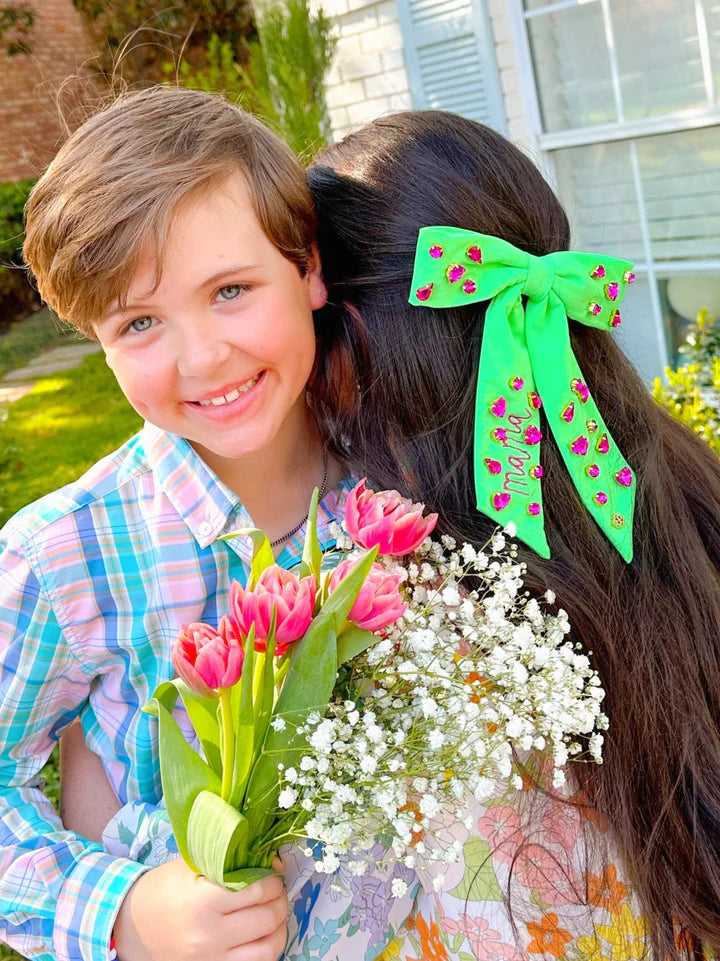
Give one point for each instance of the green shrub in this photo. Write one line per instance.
(17, 297)
(282, 80)
(692, 392)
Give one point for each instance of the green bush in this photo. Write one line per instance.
(692, 392)
(17, 297)
(282, 79)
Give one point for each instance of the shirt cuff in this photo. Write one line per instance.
(88, 905)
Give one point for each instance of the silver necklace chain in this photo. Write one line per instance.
(323, 492)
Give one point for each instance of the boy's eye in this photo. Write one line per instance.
(230, 292)
(140, 325)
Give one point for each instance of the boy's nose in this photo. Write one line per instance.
(201, 356)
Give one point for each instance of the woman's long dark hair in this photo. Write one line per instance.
(395, 393)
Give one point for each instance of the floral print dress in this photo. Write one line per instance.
(538, 879)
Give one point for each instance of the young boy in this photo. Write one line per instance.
(177, 231)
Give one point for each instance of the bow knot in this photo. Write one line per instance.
(527, 367)
(540, 277)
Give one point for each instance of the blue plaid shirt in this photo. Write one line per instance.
(95, 581)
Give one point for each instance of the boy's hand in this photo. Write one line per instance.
(172, 914)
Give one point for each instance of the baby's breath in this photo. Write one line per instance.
(476, 674)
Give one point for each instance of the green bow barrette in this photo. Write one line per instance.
(526, 362)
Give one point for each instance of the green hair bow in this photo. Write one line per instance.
(526, 362)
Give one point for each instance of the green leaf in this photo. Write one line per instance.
(184, 774)
(237, 880)
(353, 641)
(308, 686)
(262, 552)
(312, 555)
(217, 836)
(479, 882)
(266, 694)
(344, 596)
(202, 712)
(244, 723)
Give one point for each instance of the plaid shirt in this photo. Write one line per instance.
(95, 581)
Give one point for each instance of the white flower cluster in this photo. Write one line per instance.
(476, 675)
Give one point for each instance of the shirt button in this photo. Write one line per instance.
(205, 529)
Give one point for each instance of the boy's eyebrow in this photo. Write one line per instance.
(211, 281)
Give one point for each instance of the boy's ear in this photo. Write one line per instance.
(316, 284)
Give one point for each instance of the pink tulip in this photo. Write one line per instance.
(379, 603)
(386, 519)
(207, 659)
(293, 598)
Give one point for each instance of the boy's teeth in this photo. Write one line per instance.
(229, 398)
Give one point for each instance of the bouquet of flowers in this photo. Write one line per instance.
(370, 699)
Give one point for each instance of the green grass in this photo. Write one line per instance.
(56, 432)
(51, 436)
(29, 337)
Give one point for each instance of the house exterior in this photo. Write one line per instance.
(617, 100)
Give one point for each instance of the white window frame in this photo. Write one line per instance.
(629, 131)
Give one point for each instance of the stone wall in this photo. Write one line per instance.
(30, 129)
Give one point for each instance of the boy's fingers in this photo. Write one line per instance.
(261, 919)
(268, 889)
(265, 949)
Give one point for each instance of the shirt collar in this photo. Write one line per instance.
(209, 507)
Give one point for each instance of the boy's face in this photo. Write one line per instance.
(222, 351)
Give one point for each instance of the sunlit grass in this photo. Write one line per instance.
(59, 430)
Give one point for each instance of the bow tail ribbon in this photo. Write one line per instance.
(533, 346)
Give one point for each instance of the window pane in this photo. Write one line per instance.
(712, 14)
(638, 335)
(658, 55)
(682, 193)
(596, 186)
(572, 67)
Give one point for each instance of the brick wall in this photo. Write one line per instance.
(30, 128)
(368, 77)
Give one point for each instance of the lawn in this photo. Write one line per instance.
(52, 435)
(28, 337)
(55, 433)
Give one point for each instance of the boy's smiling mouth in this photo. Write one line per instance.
(228, 396)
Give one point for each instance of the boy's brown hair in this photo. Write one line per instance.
(114, 186)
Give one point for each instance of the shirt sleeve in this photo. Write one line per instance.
(59, 892)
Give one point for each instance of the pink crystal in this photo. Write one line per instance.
(568, 412)
(612, 290)
(598, 272)
(615, 319)
(469, 286)
(594, 308)
(624, 477)
(533, 509)
(536, 471)
(580, 445)
(582, 390)
(517, 383)
(494, 466)
(455, 272)
(534, 400)
(422, 293)
(617, 520)
(500, 500)
(500, 433)
(532, 435)
(592, 470)
(498, 407)
(603, 444)
(592, 426)
(600, 498)
(629, 278)
(436, 251)
(474, 253)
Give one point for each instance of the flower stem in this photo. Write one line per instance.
(228, 761)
